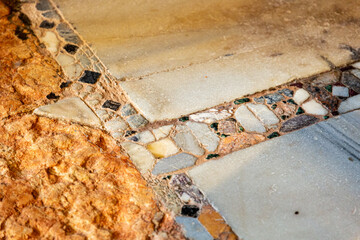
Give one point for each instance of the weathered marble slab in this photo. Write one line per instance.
(182, 56)
(304, 185)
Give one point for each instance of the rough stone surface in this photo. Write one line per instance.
(162, 148)
(248, 120)
(350, 104)
(304, 178)
(70, 109)
(298, 122)
(187, 142)
(205, 136)
(264, 114)
(313, 107)
(174, 163)
(62, 181)
(28, 74)
(141, 157)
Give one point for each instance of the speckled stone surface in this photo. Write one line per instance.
(304, 185)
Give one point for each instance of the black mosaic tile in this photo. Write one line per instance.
(298, 122)
(184, 119)
(190, 211)
(273, 135)
(46, 24)
(65, 84)
(129, 133)
(67, 33)
(52, 96)
(21, 33)
(259, 100)
(90, 77)
(43, 5)
(70, 48)
(210, 156)
(215, 126)
(111, 105)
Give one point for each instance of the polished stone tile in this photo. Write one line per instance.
(304, 185)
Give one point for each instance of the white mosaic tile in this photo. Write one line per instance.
(315, 108)
(205, 136)
(264, 114)
(162, 132)
(340, 91)
(301, 96)
(174, 163)
(248, 120)
(140, 156)
(146, 137)
(187, 142)
(308, 186)
(70, 109)
(210, 116)
(51, 41)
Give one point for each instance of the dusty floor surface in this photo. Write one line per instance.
(61, 180)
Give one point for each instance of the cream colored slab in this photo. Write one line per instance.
(191, 55)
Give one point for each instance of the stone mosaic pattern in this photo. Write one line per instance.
(165, 151)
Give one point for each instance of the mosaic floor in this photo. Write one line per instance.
(242, 116)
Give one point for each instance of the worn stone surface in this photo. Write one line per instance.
(278, 188)
(162, 148)
(298, 122)
(136, 121)
(70, 109)
(28, 73)
(301, 96)
(162, 132)
(350, 104)
(315, 108)
(326, 79)
(248, 120)
(140, 156)
(324, 96)
(351, 81)
(266, 116)
(340, 91)
(62, 181)
(127, 110)
(210, 116)
(174, 163)
(205, 136)
(193, 228)
(187, 142)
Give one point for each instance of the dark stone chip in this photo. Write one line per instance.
(242, 100)
(273, 135)
(287, 92)
(67, 33)
(215, 126)
(70, 48)
(20, 33)
(350, 81)
(324, 96)
(65, 84)
(134, 138)
(190, 211)
(25, 19)
(184, 119)
(300, 111)
(46, 24)
(90, 77)
(129, 133)
(298, 122)
(43, 5)
(52, 96)
(299, 85)
(111, 104)
(210, 156)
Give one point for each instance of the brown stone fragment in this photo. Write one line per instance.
(239, 141)
(215, 224)
(227, 126)
(28, 75)
(325, 97)
(62, 181)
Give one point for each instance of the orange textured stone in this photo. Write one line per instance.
(66, 181)
(239, 141)
(28, 73)
(215, 224)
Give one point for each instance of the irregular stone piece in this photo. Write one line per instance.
(340, 91)
(73, 71)
(287, 92)
(137, 121)
(313, 107)
(210, 116)
(51, 41)
(90, 77)
(174, 163)
(64, 59)
(141, 157)
(51, 14)
(193, 228)
(248, 120)
(111, 104)
(298, 122)
(102, 114)
(162, 132)
(355, 72)
(116, 126)
(205, 136)
(46, 24)
(128, 110)
(301, 96)
(349, 104)
(356, 65)
(263, 113)
(273, 98)
(239, 141)
(67, 33)
(145, 137)
(162, 148)
(186, 190)
(71, 48)
(326, 79)
(259, 99)
(309, 173)
(227, 126)
(190, 210)
(187, 142)
(351, 81)
(323, 96)
(70, 109)
(43, 5)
